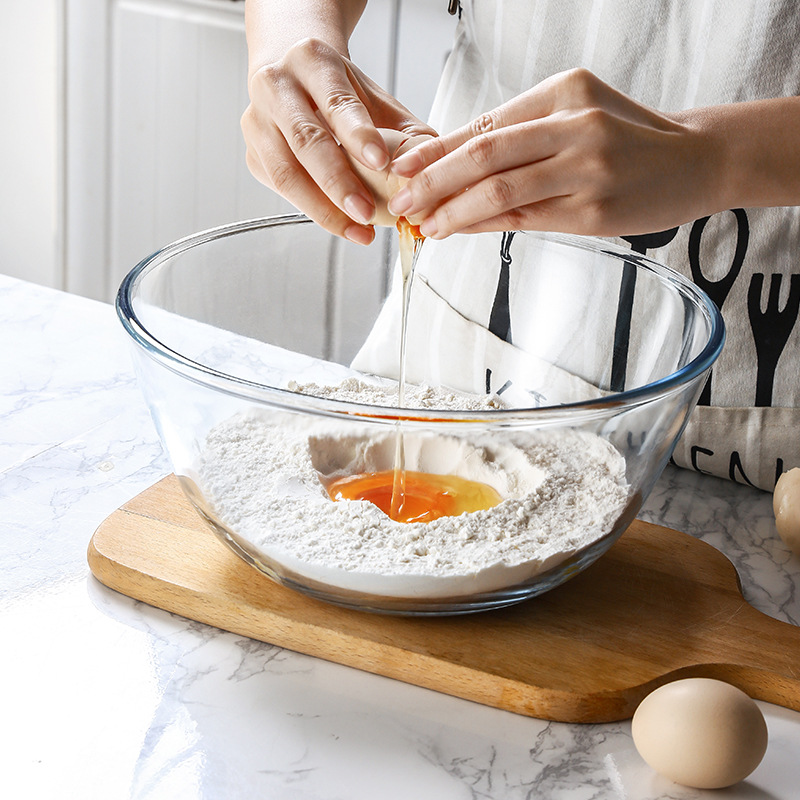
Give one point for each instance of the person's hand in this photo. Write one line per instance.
(571, 155)
(300, 108)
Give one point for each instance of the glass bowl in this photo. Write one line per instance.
(559, 371)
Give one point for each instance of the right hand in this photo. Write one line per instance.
(572, 154)
(299, 107)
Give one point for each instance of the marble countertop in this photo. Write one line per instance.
(104, 697)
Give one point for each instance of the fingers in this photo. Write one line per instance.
(522, 131)
(414, 161)
(385, 110)
(274, 164)
(508, 196)
(292, 127)
(337, 101)
(535, 104)
(545, 215)
(307, 111)
(487, 174)
(301, 108)
(572, 151)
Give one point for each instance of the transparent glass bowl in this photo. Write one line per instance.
(596, 356)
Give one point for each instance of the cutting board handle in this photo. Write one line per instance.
(760, 655)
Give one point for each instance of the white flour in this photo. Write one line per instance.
(372, 394)
(265, 476)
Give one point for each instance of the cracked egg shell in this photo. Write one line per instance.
(383, 184)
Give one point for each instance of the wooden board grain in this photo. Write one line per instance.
(660, 605)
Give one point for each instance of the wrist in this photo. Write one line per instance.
(715, 165)
(752, 152)
(273, 28)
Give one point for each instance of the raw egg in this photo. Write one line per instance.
(425, 497)
(786, 505)
(700, 732)
(383, 184)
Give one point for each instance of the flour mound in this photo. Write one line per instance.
(265, 478)
(355, 390)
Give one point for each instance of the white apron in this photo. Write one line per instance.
(670, 55)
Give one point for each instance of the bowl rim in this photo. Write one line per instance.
(292, 400)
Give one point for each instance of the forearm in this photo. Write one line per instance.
(753, 151)
(313, 112)
(273, 26)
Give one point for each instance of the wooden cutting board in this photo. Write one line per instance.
(660, 605)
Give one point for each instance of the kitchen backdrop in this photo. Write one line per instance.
(121, 126)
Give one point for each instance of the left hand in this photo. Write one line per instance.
(571, 154)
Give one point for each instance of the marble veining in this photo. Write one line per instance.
(105, 697)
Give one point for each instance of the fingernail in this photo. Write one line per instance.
(359, 208)
(407, 164)
(429, 227)
(375, 157)
(360, 235)
(401, 202)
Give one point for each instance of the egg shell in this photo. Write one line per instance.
(384, 184)
(786, 505)
(700, 732)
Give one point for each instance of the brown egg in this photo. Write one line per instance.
(382, 183)
(786, 505)
(700, 732)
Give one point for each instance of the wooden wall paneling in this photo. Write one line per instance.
(251, 198)
(132, 217)
(178, 94)
(87, 122)
(219, 148)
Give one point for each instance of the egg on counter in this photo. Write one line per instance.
(786, 505)
(700, 732)
(382, 183)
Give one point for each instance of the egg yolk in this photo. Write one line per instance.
(425, 496)
(404, 227)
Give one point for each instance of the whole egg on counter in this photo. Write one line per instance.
(700, 732)
(786, 505)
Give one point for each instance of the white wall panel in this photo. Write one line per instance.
(86, 121)
(177, 151)
(30, 174)
(424, 38)
(145, 146)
